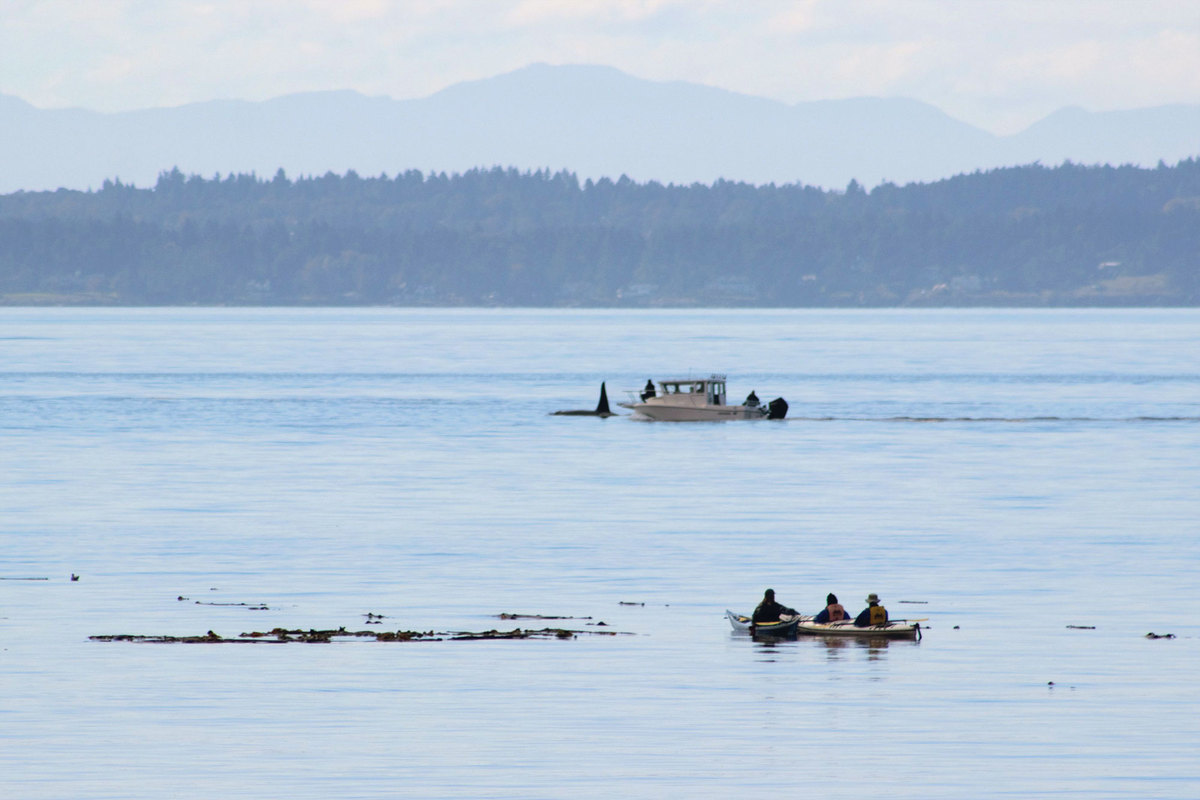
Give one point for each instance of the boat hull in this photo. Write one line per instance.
(696, 413)
(899, 629)
(786, 626)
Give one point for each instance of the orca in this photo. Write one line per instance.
(602, 409)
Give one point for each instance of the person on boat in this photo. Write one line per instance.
(832, 612)
(873, 614)
(751, 400)
(648, 392)
(768, 610)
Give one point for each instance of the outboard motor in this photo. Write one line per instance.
(777, 408)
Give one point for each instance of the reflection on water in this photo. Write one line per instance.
(876, 647)
(836, 647)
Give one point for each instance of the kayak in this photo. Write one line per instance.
(895, 629)
(786, 626)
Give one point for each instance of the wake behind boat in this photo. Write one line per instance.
(699, 400)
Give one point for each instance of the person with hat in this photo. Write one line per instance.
(832, 612)
(768, 610)
(873, 614)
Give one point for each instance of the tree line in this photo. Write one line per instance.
(1030, 235)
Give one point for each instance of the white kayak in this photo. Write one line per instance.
(895, 629)
(785, 626)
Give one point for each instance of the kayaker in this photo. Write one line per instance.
(833, 610)
(873, 614)
(770, 611)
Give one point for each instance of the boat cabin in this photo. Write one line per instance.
(712, 388)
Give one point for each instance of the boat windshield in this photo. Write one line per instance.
(713, 388)
(683, 387)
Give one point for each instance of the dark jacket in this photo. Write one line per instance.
(863, 620)
(770, 612)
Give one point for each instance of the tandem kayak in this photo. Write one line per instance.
(786, 626)
(896, 629)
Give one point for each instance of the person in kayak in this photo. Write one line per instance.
(768, 610)
(833, 611)
(873, 614)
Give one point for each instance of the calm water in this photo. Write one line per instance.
(1004, 474)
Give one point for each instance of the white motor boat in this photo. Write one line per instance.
(699, 399)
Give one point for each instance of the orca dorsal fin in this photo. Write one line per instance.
(602, 406)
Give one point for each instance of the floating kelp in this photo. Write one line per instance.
(313, 635)
(208, 638)
(517, 633)
(506, 615)
(249, 606)
(405, 636)
(1153, 635)
(325, 636)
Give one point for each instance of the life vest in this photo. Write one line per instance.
(837, 612)
(878, 615)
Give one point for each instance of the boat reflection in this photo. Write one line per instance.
(876, 646)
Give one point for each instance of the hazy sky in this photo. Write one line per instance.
(1000, 64)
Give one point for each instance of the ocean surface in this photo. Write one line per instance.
(1027, 482)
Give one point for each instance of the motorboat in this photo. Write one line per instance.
(786, 625)
(895, 629)
(699, 400)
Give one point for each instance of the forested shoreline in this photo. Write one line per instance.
(1025, 236)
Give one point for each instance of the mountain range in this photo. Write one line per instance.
(593, 121)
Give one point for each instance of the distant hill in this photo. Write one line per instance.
(592, 121)
(1023, 236)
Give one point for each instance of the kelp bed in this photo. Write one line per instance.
(325, 636)
(283, 636)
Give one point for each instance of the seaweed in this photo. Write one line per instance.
(208, 638)
(326, 636)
